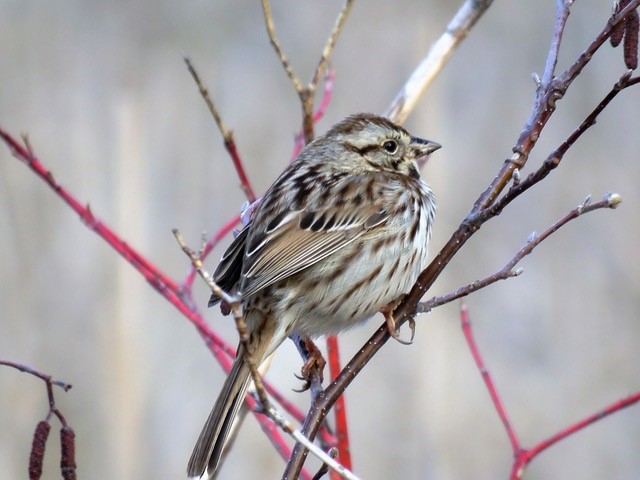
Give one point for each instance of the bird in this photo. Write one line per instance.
(341, 234)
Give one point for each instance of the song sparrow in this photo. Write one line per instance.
(339, 236)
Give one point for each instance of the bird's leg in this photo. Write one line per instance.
(315, 361)
(312, 370)
(387, 311)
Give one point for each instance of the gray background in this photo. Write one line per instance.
(101, 89)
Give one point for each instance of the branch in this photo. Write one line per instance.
(554, 159)
(31, 371)
(227, 135)
(543, 108)
(317, 116)
(486, 376)
(523, 456)
(306, 94)
(436, 58)
(340, 408)
(234, 304)
(210, 245)
(41, 433)
(610, 200)
(331, 42)
(273, 39)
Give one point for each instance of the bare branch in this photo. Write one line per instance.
(229, 142)
(306, 94)
(271, 30)
(562, 14)
(31, 371)
(486, 377)
(331, 41)
(555, 157)
(436, 58)
(610, 200)
(234, 303)
(204, 92)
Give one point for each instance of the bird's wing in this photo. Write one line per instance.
(295, 240)
(227, 275)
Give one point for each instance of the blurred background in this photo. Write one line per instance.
(101, 88)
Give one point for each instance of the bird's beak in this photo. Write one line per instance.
(421, 148)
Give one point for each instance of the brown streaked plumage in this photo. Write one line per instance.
(339, 236)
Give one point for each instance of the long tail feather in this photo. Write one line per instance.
(209, 447)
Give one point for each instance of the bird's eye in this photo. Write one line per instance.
(390, 146)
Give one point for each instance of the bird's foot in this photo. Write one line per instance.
(314, 366)
(387, 311)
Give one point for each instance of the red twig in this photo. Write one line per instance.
(211, 243)
(342, 431)
(227, 135)
(147, 269)
(230, 145)
(329, 77)
(486, 376)
(221, 350)
(523, 456)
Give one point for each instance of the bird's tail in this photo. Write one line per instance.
(209, 447)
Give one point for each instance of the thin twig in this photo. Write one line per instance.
(204, 92)
(610, 200)
(49, 383)
(211, 243)
(300, 438)
(555, 157)
(306, 94)
(31, 371)
(436, 58)
(524, 457)
(562, 15)
(331, 42)
(340, 409)
(234, 303)
(271, 31)
(486, 377)
(319, 113)
(227, 135)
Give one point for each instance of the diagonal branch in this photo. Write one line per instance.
(436, 58)
(331, 42)
(306, 94)
(273, 39)
(486, 377)
(543, 108)
(610, 200)
(227, 135)
(555, 157)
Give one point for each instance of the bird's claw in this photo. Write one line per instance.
(313, 366)
(391, 325)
